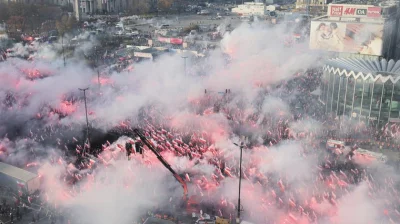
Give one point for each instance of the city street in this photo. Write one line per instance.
(185, 21)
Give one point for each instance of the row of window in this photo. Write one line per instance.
(377, 102)
(312, 2)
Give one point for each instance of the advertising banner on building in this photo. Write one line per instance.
(176, 41)
(164, 39)
(356, 11)
(359, 38)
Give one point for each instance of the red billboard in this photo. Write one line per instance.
(358, 11)
(176, 41)
(374, 12)
(336, 10)
(164, 39)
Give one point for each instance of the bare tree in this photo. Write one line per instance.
(4, 12)
(164, 5)
(65, 24)
(16, 24)
(140, 7)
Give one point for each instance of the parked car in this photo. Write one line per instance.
(203, 12)
(131, 33)
(163, 27)
(52, 39)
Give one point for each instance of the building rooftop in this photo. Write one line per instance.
(16, 172)
(350, 19)
(384, 4)
(370, 13)
(154, 50)
(365, 68)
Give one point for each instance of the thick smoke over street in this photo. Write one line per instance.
(195, 122)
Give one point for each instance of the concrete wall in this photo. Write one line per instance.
(33, 185)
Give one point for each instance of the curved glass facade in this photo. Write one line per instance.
(374, 99)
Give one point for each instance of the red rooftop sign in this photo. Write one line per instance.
(336, 10)
(354, 11)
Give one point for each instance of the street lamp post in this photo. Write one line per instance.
(97, 67)
(98, 77)
(87, 141)
(62, 45)
(184, 65)
(98, 72)
(241, 146)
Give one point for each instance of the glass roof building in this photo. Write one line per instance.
(362, 89)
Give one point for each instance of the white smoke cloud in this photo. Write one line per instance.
(358, 207)
(308, 127)
(122, 191)
(118, 190)
(275, 107)
(122, 194)
(289, 160)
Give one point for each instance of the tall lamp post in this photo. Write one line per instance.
(62, 46)
(97, 68)
(87, 141)
(184, 65)
(98, 77)
(241, 146)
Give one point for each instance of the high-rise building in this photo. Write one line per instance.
(320, 5)
(250, 8)
(89, 7)
(53, 2)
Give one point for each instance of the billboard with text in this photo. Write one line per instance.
(359, 38)
(176, 41)
(356, 11)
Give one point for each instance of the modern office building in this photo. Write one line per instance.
(362, 89)
(52, 2)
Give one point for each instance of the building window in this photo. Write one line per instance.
(395, 105)
(368, 95)
(386, 101)
(331, 85)
(351, 82)
(324, 86)
(358, 96)
(375, 103)
(375, 106)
